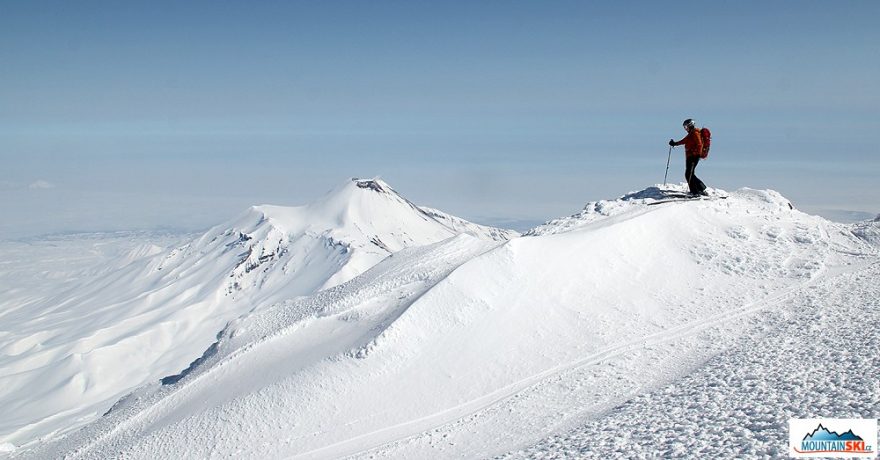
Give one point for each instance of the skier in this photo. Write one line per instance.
(693, 146)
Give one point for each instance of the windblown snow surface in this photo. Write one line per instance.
(682, 329)
(68, 352)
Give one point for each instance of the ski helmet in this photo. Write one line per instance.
(688, 123)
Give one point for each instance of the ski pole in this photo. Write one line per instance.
(667, 165)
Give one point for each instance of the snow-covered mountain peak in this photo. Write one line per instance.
(354, 192)
(184, 296)
(372, 205)
(368, 208)
(349, 229)
(375, 184)
(355, 207)
(612, 297)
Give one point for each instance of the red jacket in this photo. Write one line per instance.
(693, 143)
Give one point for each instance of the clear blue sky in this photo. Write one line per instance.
(180, 114)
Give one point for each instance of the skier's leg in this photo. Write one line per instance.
(695, 184)
(690, 164)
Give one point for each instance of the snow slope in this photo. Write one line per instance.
(68, 354)
(815, 356)
(473, 348)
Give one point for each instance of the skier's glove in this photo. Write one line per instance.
(671, 142)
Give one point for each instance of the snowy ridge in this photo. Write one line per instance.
(868, 230)
(597, 210)
(152, 312)
(460, 225)
(471, 347)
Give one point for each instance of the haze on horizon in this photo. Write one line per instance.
(169, 115)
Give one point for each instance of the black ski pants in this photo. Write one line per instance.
(694, 183)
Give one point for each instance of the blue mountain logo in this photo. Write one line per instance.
(823, 434)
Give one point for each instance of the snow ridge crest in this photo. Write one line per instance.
(638, 202)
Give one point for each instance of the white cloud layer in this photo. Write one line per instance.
(41, 185)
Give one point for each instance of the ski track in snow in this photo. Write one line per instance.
(474, 349)
(543, 388)
(816, 356)
(551, 400)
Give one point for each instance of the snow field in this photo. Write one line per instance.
(72, 349)
(261, 355)
(471, 348)
(815, 356)
(733, 287)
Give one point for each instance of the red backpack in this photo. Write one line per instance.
(706, 136)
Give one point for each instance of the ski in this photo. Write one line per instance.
(688, 198)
